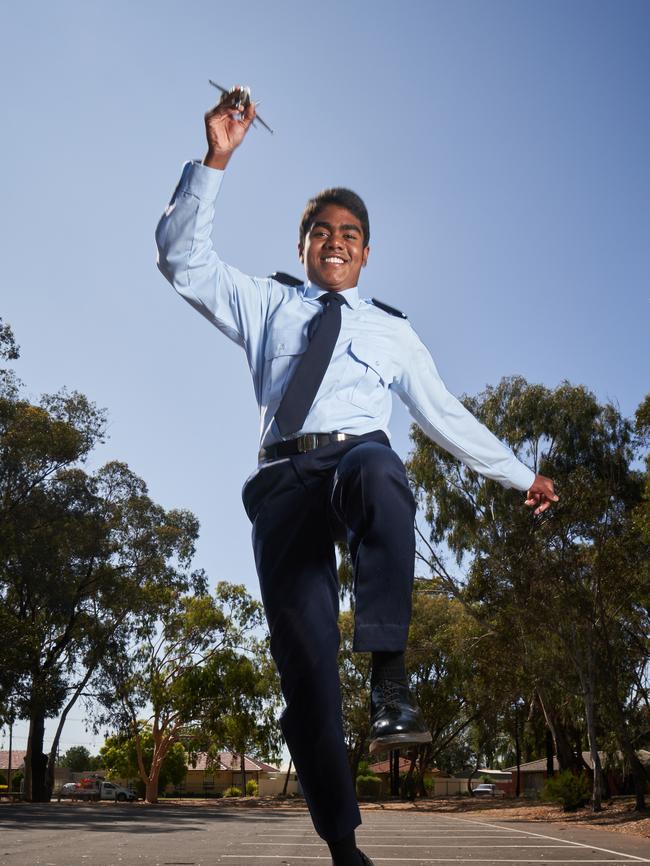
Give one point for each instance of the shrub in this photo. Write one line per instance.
(567, 788)
(232, 792)
(252, 788)
(16, 780)
(368, 786)
(3, 779)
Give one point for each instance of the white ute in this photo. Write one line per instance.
(96, 789)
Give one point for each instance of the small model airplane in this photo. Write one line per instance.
(240, 98)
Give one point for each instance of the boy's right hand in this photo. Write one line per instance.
(225, 129)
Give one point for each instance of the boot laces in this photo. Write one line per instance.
(389, 694)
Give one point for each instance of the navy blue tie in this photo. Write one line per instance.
(308, 375)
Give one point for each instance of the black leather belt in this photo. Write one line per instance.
(301, 444)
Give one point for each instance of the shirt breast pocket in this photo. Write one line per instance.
(283, 348)
(370, 374)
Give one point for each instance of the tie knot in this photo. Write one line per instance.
(331, 298)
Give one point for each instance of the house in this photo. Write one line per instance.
(17, 764)
(436, 782)
(17, 761)
(210, 778)
(533, 774)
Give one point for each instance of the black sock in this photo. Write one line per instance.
(345, 851)
(388, 666)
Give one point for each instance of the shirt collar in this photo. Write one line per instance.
(350, 296)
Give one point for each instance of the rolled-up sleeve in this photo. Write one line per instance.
(232, 301)
(448, 423)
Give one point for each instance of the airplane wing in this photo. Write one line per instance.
(232, 89)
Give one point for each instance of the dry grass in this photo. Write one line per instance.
(618, 814)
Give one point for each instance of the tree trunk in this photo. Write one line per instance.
(49, 779)
(550, 755)
(242, 767)
(160, 751)
(471, 776)
(286, 779)
(36, 790)
(517, 758)
(151, 787)
(588, 697)
(355, 756)
(566, 757)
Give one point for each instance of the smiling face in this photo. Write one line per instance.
(333, 252)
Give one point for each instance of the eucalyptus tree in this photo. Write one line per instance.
(244, 716)
(83, 557)
(565, 581)
(195, 674)
(120, 759)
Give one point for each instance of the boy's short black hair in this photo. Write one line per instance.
(340, 196)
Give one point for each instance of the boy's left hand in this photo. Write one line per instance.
(541, 494)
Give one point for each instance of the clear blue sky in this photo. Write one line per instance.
(501, 147)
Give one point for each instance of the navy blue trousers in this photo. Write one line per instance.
(355, 491)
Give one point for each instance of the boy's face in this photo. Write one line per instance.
(333, 253)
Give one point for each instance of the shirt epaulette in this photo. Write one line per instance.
(387, 309)
(286, 279)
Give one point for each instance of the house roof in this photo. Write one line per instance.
(534, 766)
(384, 766)
(17, 759)
(231, 762)
(540, 765)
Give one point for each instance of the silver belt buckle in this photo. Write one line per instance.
(307, 442)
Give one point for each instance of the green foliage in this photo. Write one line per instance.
(16, 779)
(9, 351)
(3, 779)
(87, 557)
(368, 787)
(252, 788)
(430, 787)
(243, 717)
(569, 789)
(233, 791)
(200, 673)
(119, 759)
(517, 576)
(78, 758)
(363, 769)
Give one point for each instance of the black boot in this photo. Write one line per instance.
(395, 718)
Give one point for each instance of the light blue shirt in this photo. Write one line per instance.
(375, 353)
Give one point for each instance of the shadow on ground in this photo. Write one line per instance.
(125, 817)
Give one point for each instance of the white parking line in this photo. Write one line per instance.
(370, 844)
(555, 839)
(419, 859)
(421, 828)
(381, 833)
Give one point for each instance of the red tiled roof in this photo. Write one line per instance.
(232, 762)
(384, 766)
(17, 759)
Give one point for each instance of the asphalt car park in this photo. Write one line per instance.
(126, 835)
